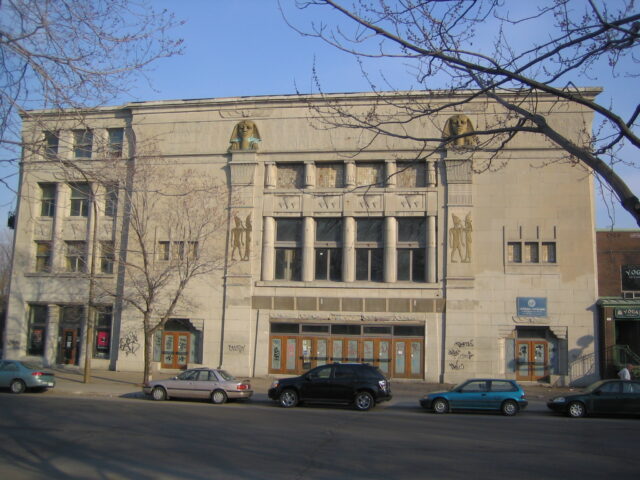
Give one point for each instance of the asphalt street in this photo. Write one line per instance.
(80, 437)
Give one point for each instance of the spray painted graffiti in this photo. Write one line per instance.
(460, 352)
(236, 348)
(129, 344)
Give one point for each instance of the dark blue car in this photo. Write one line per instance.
(505, 396)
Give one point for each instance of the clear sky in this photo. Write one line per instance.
(241, 48)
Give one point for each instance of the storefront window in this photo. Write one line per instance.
(37, 329)
(102, 345)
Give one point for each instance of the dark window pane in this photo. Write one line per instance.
(404, 261)
(345, 329)
(418, 265)
(377, 264)
(315, 328)
(370, 230)
(411, 230)
(288, 230)
(284, 328)
(377, 330)
(409, 331)
(322, 263)
(329, 230)
(335, 265)
(288, 264)
(362, 264)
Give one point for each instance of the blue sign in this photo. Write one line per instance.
(532, 306)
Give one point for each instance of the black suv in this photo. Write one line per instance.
(360, 384)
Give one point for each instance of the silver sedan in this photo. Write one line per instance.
(213, 384)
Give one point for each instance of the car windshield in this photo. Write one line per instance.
(226, 375)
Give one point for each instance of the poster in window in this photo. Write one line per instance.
(102, 340)
(37, 338)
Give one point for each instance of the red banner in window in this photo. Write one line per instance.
(102, 340)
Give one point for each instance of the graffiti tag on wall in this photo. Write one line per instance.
(459, 353)
(236, 348)
(129, 344)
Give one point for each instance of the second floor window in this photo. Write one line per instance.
(107, 257)
(47, 199)
(411, 249)
(288, 249)
(51, 143)
(369, 249)
(116, 139)
(43, 256)
(76, 256)
(82, 143)
(111, 201)
(328, 249)
(80, 194)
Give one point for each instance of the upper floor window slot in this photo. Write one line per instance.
(82, 143)
(369, 249)
(47, 199)
(116, 142)
(80, 195)
(51, 143)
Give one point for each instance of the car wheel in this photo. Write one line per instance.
(509, 408)
(576, 409)
(288, 398)
(17, 386)
(364, 401)
(219, 397)
(440, 405)
(158, 394)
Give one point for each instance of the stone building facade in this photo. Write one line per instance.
(438, 265)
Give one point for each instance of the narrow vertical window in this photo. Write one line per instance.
(43, 256)
(102, 345)
(111, 201)
(116, 140)
(514, 252)
(80, 194)
(531, 252)
(37, 329)
(411, 249)
(47, 199)
(548, 252)
(328, 249)
(51, 143)
(288, 249)
(163, 251)
(107, 257)
(369, 249)
(82, 143)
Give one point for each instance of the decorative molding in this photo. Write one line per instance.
(530, 320)
(288, 203)
(242, 173)
(370, 203)
(327, 203)
(411, 201)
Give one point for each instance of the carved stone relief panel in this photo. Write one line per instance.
(411, 201)
(288, 203)
(459, 194)
(42, 230)
(290, 175)
(330, 175)
(370, 203)
(370, 174)
(327, 203)
(410, 175)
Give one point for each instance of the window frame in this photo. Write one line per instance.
(288, 250)
(43, 258)
(48, 203)
(83, 144)
(115, 144)
(37, 324)
(107, 257)
(370, 252)
(76, 256)
(417, 267)
(332, 248)
(51, 144)
(80, 199)
(531, 249)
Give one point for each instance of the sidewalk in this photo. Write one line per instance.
(108, 383)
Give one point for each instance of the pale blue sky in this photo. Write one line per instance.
(241, 48)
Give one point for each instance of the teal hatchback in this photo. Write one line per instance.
(504, 396)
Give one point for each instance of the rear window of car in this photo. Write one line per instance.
(370, 373)
(225, 375)
(497, 386)
(633, 387)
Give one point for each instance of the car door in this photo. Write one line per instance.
(607, 398)
(631, 398)
(203, 384)
(345, 378)
(182, 385)
(317, 384)
(500, 391)
(471, 395)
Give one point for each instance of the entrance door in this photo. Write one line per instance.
(175, 349)
(532, 359)
(314, 352)
(70, 346)
(408, 358)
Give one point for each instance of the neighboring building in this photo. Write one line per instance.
(619, 302)
(443, 268)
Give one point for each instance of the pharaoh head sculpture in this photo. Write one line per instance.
(245, 136)
(459, 125)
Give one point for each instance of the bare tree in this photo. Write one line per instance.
(57, 54)
(174, 223)
(474, 49)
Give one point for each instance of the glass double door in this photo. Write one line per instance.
(396, 358)
(532, 359)
(175, 350)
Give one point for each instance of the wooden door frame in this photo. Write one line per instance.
(174, 353)
(531, 376)
(74, 346)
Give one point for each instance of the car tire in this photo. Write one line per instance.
(219, 397)
(509, 408)
(440, 405)
(576, 410)
(364, 401)
(17, 386)
(288, 398)
(158, 394)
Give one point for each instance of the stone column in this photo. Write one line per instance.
(51, 340)
(390, 249)
(431, 249)
(270, 175)
(308, 241)
(309, 175)
(268, 248)
(391, 173)
(431, 173)
(349, 249)
(350, 174)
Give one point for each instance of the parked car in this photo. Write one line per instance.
(505, 396)
(19, 376)
(358, 384)
(604, 397)
(216, 385)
